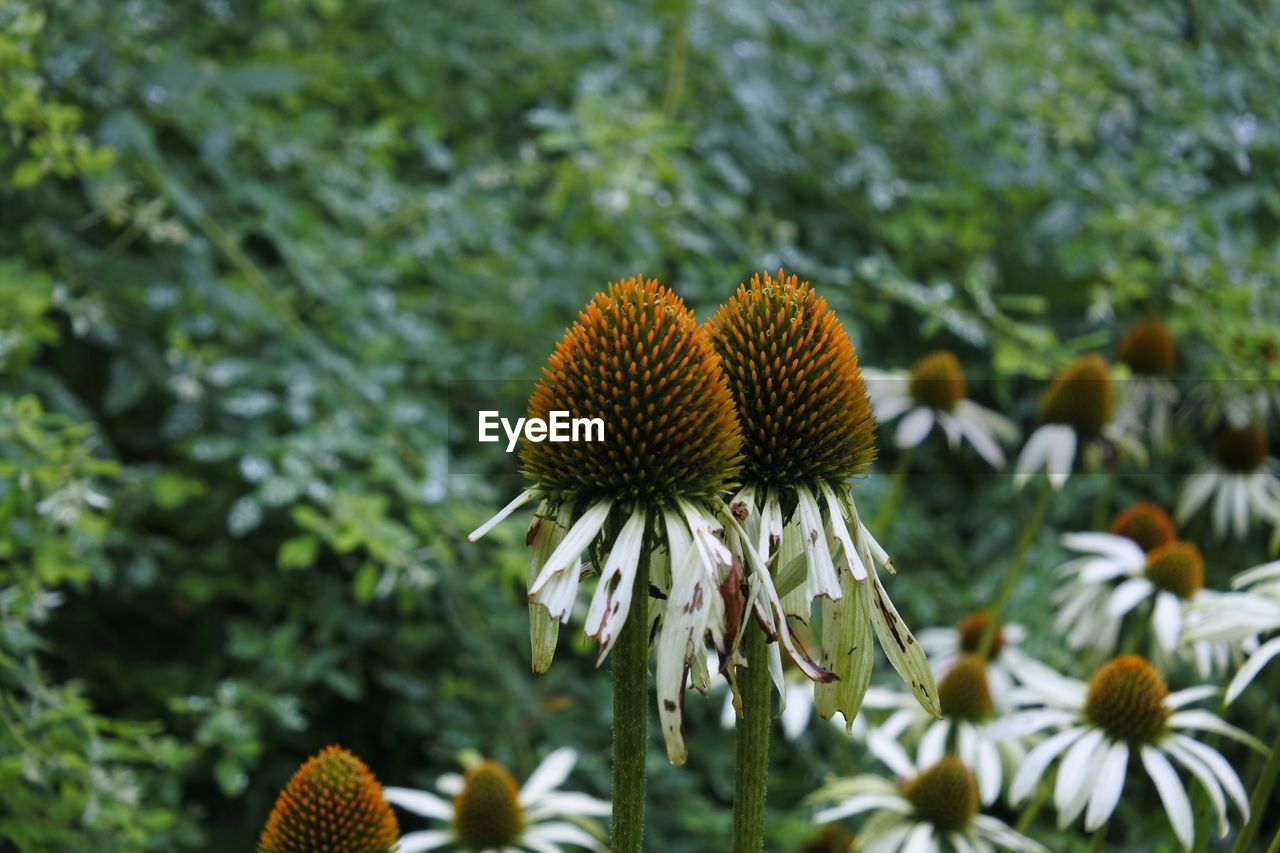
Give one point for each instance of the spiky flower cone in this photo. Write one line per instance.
(945, 794)
(1177, 567)
(1146, 524)
(808, 428)
(965, 692)
(937, 380)
(1241, 449)
(1148, 348)
(1126, 699)
(333, 804)
(795, 379)
(637, 359)
(1081, 396)
(486, 813)
(971, 629)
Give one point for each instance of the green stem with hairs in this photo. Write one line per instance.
(1261, 791)
(751, 762)
(1015, 569)
(897, 479)
(631, 717)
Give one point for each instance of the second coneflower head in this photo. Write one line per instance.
(808, 427)
(332, 803)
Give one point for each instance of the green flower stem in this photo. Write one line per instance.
(1015, 569)
(1099, 839)
(1102, 506)
(1261, 791)
(1033, 808)
(751, 765)
(897, 479)
(1275, 843)
(631, 718)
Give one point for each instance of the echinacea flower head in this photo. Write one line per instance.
(965, 692)
(637, 359)
(1078, 408)
(971, 630)
(937, 380)
(808, 427)
(831, 839)
(931, 808)
(1080, 396)
(934, 391)
(333, 804)
(489, 810)
(1126, 709)
(1242, 481)
(794, 376)
(948, 646)
(1116, 578)
(1147, 524)
(1148, 348)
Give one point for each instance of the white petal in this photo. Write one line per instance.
(1122, 549)
(840, 532)
(520, 500)
(562, 833)
(901, 648)
(1197, 490)
(1038, 760)
(682, 630)
(798, 709)
(1221, 768)
(1189, 695)
(1025, 723)
(920, 840)
(1252, 667)
(1167, 618)
(1062, 454)
(934, 743)
(1172, 794)
(565, 556)
(548, 775)
(450, 784)
(1128, 595)
(915, 426)
(1207, 780)
(427, 839)
(612, 600)
(861, 803)
(891, 753)
(1073, 774)
(1102, 802)
(980, 437)
(1033, 456)
(568, 803)
(989, 771)
(419, 802)
(1207, 721)
(544, 629)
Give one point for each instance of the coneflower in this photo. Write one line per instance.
(1125, 711)
(934, 391)
(333, 804)
(637, 359)
(1241, 480)
(1078, 409)
(1150, 352)
(807, 428)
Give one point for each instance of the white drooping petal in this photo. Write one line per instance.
(1251, 668)
(1198, 489)
(977, 429)
(884, 747)
(1167, 620)
(1106, 793)
(861, 803)
(1120, 548)
(1189, 695)
(1038, 760)
(933, 745)
(1128, 595)
(561, 832)
(1208, 781)
(548, 776)
(1073, 774)
(565, 557)
(840, 531)
(821, 579)
(422, 803)
(1207, 721)
(1061, 454)
(1221, 768)
(678, 642)
(989, 771)
(1033, 455)
(520, 500)
(612, 599)
(568, 803)
(914, 427)
(1172, 794)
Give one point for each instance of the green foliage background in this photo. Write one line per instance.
(256, 258)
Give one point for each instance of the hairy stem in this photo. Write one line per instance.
(1015, 569)
(631, 718)
(751, 765)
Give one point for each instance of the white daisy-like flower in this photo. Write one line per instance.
(1148, 397)
(931, 809)
(487, 811)
(945, 646)
(1125, 710)
(1251, 610)
(648, 494)
(1158, 580)
(934, 392)
(808, 427)
(1078, 410)
(1242, 481)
